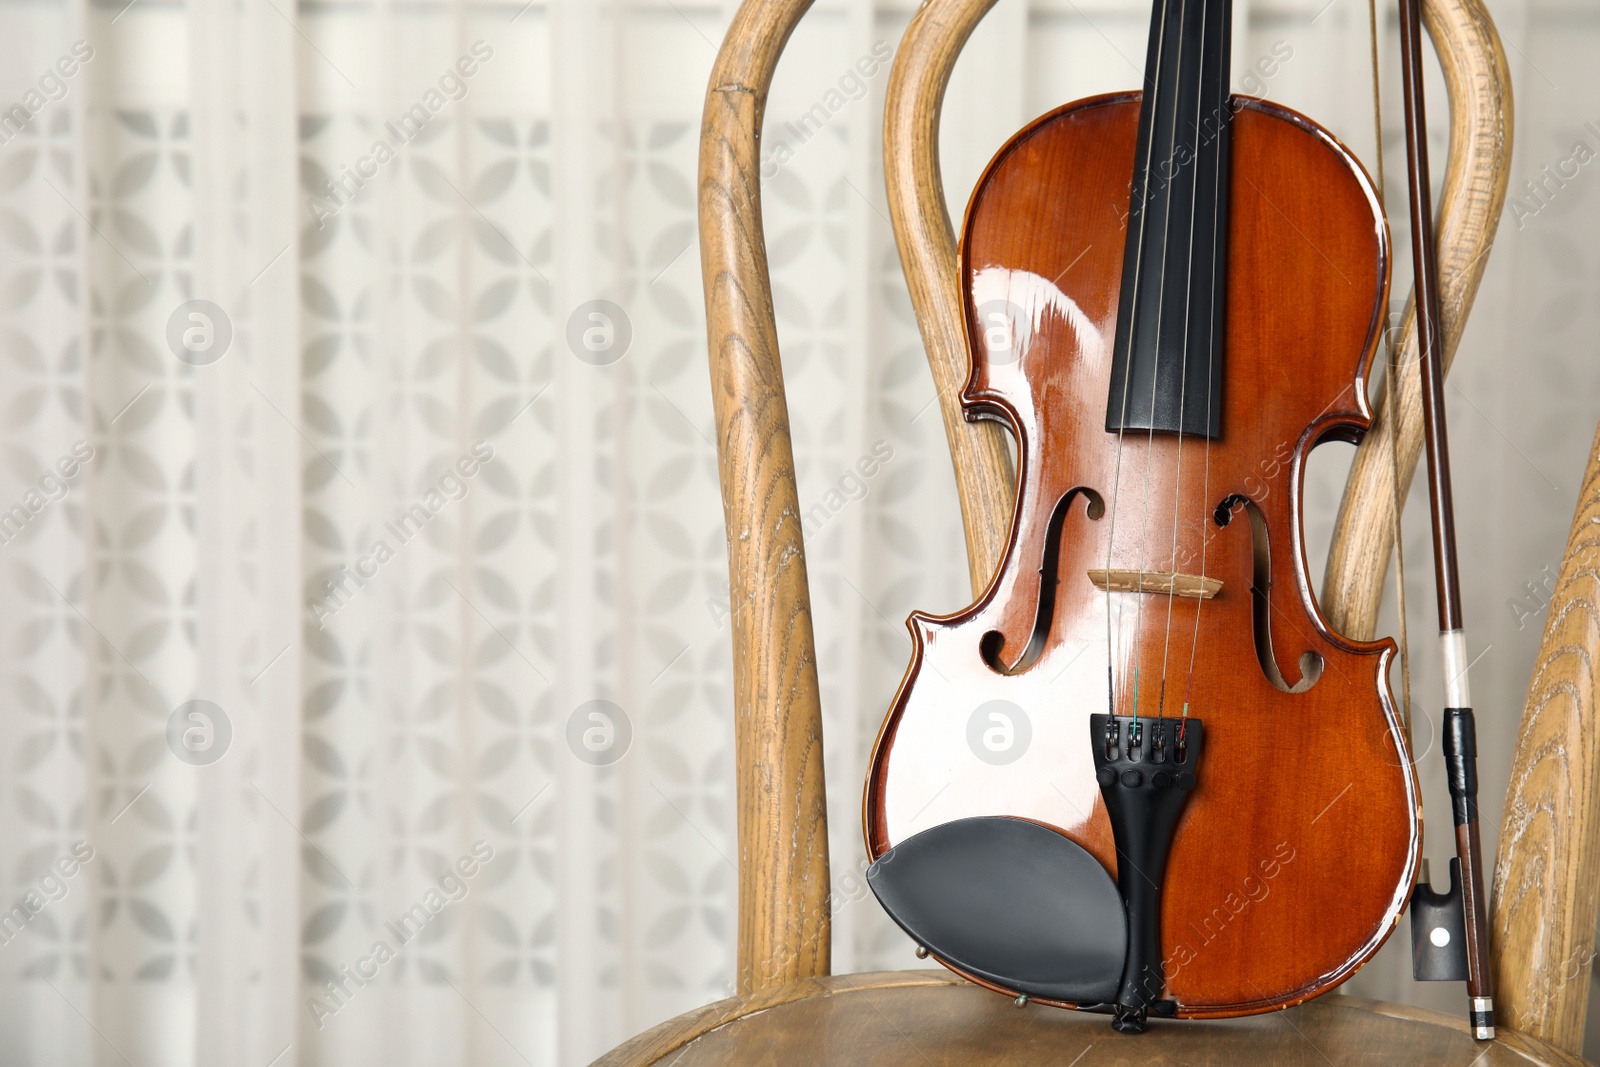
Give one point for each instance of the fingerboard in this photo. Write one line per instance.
(1167, 361)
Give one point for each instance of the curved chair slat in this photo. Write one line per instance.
(1547, 879)
(1478, 84)
(784, 930)
(921, 220)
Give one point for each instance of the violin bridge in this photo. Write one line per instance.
(1193, 586)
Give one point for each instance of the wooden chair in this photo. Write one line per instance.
(788, 1008)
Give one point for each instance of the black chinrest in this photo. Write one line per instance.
(1011, 902)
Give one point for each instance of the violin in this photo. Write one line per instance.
(1141, 774)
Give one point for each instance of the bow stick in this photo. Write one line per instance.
(1460, 746)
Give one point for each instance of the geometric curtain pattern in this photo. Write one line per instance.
(365, 670)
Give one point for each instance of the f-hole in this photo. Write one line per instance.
(1311, 662)
(992, 641)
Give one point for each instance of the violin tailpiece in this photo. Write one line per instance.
(1146, 770)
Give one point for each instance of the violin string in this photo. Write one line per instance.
(1127, 377)
(1183, 383)
(1211, 359)
(1155, 376)
(1391, 405)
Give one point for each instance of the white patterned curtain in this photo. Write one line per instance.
(363, 672)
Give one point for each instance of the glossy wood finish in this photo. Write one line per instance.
(1477, 168)
(784, 929)
(929, 1019)
(1547, 882)
(1303, 831)
(927, 243)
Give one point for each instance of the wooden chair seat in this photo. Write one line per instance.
(933, 1019)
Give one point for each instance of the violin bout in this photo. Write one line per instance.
(1152, 574)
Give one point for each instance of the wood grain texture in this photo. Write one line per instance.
(927, 243)
(1477, 170)
(784, 929)
(1547, 880)
(929, 1019)
(1327, 864)
(1194, 586)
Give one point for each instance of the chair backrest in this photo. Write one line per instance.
(927, 243)
(784, 929)
(1548, 875)
(1477, 170)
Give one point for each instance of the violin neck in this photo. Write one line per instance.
(1167, 360)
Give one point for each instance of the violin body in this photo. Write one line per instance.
(1296, 853)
